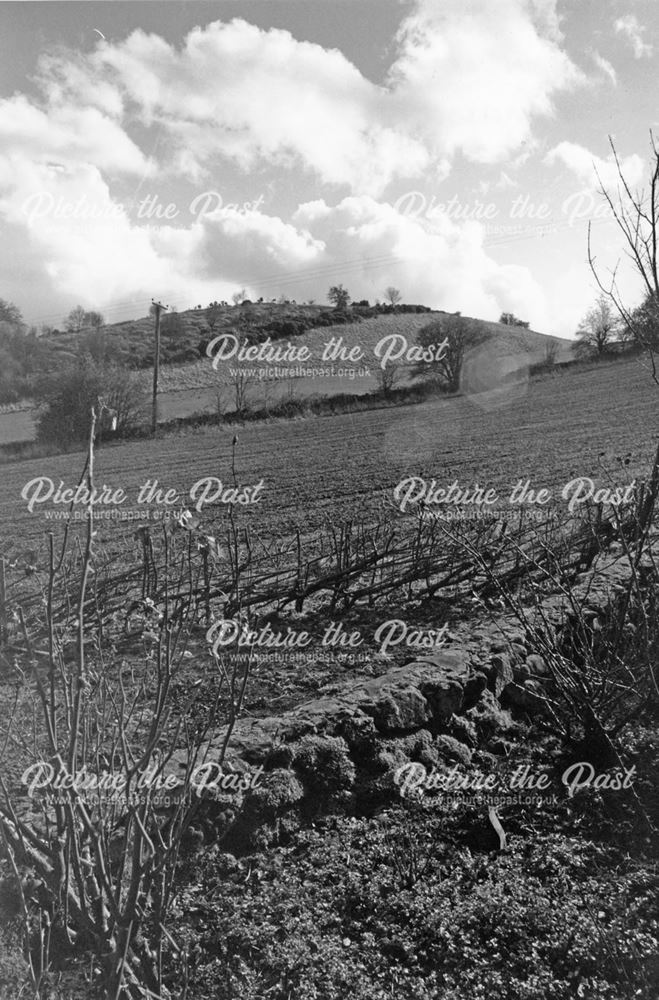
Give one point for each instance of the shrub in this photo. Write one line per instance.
(325, 765)
(66, 400)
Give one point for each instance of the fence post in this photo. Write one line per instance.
(3, 605)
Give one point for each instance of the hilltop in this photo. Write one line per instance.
(184, 335)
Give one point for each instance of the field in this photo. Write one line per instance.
(340, 880)
(339, 466)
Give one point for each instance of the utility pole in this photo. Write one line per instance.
(157, 309)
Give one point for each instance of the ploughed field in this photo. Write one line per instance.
(306, 473)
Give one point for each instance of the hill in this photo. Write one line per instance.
(190, 384)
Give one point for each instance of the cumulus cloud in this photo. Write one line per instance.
(439, 263)
(468, 77)
(631, 29)
(591, 169)
(69, 133)
(472, 76)
(75, 239)
(458, 83)
(233, 90)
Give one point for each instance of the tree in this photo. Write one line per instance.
(644, 328)
(94, 320)
(75, 321)
(392, 295)
(388, 376)
(598, 329)
(11, 314)
(458, 334)
(81, 319)
(213, 313)
(509, 319)
(65, 400)
(339, 297)
(241, 381)
(636, 213)
(239, 296)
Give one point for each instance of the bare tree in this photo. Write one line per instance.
(636, 214)
(213, 313)
(637, 217)
(94, 320)
(388, 376)
(241, 382)
(392, 295)
(82, 319)
(598, 329)
(457, 334)
(75, 321)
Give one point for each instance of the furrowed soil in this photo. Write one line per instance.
(326, 469)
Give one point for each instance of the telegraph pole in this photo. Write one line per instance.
(157, 309)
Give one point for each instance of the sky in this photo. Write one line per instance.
(453, 149)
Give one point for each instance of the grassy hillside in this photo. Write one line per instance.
(182, 333)
(190, 384)
(526, 346)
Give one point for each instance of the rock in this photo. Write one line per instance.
(400, 710)
(391, 757)
(503, 672)
(452, 750)
(518, 652)
(280, 789)
(521, 672)
(524, 696)
(359, 732)
(419, 747)
(489, 717)
(537, 665)
(324, 764)
(463, 730)
(473, 690)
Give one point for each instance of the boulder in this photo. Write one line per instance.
(537, 665)
(525, 696)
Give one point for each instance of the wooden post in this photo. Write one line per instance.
(158, 307)
(3, 605)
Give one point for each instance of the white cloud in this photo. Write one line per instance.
(467, 78)
(98, 255)
(70, 133)
(441, 264)
(78, 242)
(632, 30)
(605, 66)
(591, 169)
(473, 76)
(234, 90)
